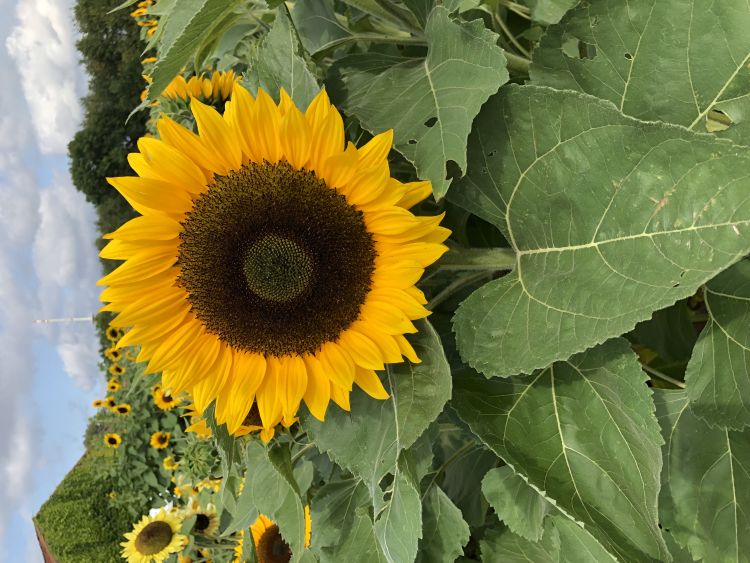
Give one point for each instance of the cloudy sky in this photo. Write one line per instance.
(48, 267)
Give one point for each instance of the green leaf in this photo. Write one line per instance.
(281, 63)
(563, 541)
(669, 333)
(500, 545)
(272, 491)
(584, 432)
(654, 211)
(429, 102)
(317, 25)
(359, 544)
(705, 500)
(368, 440)
(718, 374)
(399, 526)
(516, 503)
(333, 511)
(549, 11)
(699, 51)
(444, 531)
(187, 25)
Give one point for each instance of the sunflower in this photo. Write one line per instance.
(153, 539)
(112, 440)
(123, 409)
(116, 369)
(139, 12)
(113, 354)
(151, 31)
(110, 402)
(131, 356)
(270, 547)
(169, 463)
(164, 399)
(113, 385)
(159, 440)
(113, 334)
(148, 60)
(270, 264)
(99, 403)
(206, 519)
(218, 88)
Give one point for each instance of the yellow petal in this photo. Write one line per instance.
(414, 193)
(172, 165)
(386, 317)
(377, 149)
(370, 383)
(217, 136)
(406, 348)
(291, 386)
(400, 299)
(386, 344)
(147, 228)
(340, 396)
(147, 195)
(318, 392)
(295, 137)
(189, 144)
(264, 132)
(363, 351)
(338, 364)
(267, 395)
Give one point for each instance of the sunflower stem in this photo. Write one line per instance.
(663, 376)
(517, 63)
(484, 259)
(450, 289)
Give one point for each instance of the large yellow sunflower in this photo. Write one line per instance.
(272, 263)
(154, 539)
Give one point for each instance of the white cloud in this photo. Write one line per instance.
(43, 47)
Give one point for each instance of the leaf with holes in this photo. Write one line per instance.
(428, 102)
(611, 219)
(705, 499)
(682, 62)
(718, 375)
(583, 432)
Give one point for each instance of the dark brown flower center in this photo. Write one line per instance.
(153, 538)
(272, 548)
(274, 261)
(202, 521)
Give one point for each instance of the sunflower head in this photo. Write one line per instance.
(164, 399)
(116, 370)
(214, 90)
(113, 354)
(154, 538)
(272, 263)
(113, 386)
(169, 463)
(99, 403)
(159, 440)
(122, 409)
(110, 402)
(112, 440)
(113, 334)
(206, 518)
(269, 545)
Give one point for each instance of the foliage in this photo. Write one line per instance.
(78, 521)
(584, 387)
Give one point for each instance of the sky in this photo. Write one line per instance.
(48, 267)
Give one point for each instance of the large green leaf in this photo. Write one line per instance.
(673, 61)
(564, 541)
(398, 526)
(368, 440)
(516, 503)
(429, 102)
(280, 63)
(333, 510)
(718, 375)
(549, 11)
(445, 532)
(317, 24)
(583, 432)
(611, 219)
(705, 500)
(188, 24)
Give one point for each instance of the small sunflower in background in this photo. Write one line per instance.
(282, 266)
(113, 386)
(159, 440)
(131, 356)
(113, 334)
(169, 463)
(116, 370)
(110, 402)
(99, 403)
(154, 539)
(216, 89)
(206, 518)
(151, 31)
(112, 440)
(164, 399)
(269, 545)
(113, 354)
(122, 409)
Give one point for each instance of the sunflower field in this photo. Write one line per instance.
(419, 280)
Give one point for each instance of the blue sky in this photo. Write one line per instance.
(48, 268)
